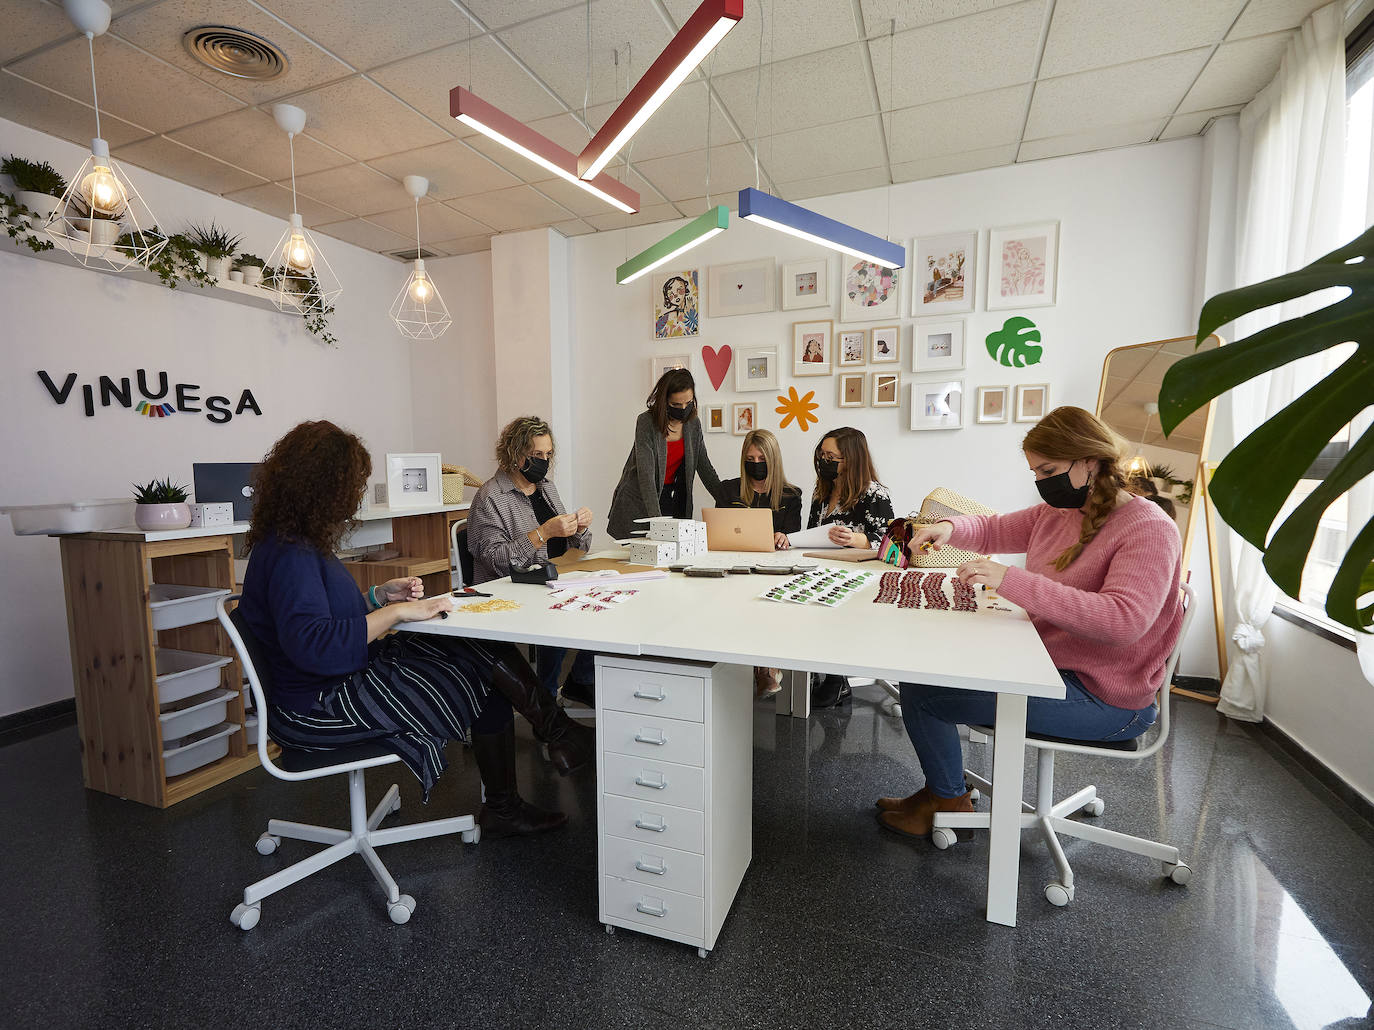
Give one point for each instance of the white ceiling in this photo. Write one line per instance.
(852, 94)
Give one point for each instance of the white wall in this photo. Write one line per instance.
(67, 319)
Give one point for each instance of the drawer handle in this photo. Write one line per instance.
(660, 912)
(660, 785)
(658, 827)
(643, 695)
(657, 870)
(660, 740)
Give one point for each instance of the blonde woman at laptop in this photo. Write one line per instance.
(762, 484)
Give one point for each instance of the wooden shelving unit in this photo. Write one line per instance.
(423, 540)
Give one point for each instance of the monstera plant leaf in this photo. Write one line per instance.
(1255, 480)
(1014, 345)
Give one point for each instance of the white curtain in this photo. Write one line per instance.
(1292, 150)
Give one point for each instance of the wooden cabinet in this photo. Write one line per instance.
(423, 540)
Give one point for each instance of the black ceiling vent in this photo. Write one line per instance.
(235, 52)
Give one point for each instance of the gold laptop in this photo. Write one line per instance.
(738, 529)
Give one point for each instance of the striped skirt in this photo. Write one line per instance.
(415, 695)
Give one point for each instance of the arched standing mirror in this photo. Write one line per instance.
(1168, 469)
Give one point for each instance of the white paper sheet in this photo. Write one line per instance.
(812, 539)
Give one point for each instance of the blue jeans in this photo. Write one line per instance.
(933, 714)
(548, 663)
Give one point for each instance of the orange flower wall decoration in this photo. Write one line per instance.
(800, 408)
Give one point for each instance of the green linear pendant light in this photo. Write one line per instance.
(698, 230)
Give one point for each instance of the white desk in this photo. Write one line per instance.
(723, 620)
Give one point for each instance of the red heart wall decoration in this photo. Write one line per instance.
(717, 363)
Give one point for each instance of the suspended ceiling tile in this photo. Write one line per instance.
(362, 233)
(1088, 34)
(250, 139)
(575, 227)
(878, 13)
(828, 185)
(498, 14)
(276, 201)
(424, 83)
(368, 34)
(646, 216)
(30, 25)
(1097, 139)
(466, 245)
(453, 169)
(1261, 17)
(437, 222)
(133, 86)
(182, 164)
(954, 164)
(824, 150)
(555, 48)
(46, 111)
(952, 58)
(519, 207)
(957, 126)
(1110, 96)
(563, 129)
(679, 125)
(802, 26)
(355, 188)
(798, 93)
(684, 175)
(159, 28)
(574, 198)
(358, 118)
(1237, 71)
(1193, 123)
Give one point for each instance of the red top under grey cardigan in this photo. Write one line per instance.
(1113, 615)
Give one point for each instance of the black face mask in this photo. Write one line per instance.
(1058, 492)
(828, 469)
(681, 414)
(535, 469)
(756, 470)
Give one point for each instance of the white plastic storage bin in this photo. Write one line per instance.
(187, 753)
(174, 605)
(183, 673)
(71, 516)
(194, 714)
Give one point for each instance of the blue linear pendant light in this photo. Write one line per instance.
(776, 213)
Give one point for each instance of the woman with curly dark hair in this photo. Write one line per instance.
(333, 676)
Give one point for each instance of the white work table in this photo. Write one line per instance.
(724, 620)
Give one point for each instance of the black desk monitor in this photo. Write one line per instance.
(226, 481)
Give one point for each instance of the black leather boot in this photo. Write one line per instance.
(571, 746)
(505, 813)
(829, 691)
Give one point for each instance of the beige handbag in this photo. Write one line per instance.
(455, 477)
(939, 505)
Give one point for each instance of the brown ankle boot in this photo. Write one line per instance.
(920, 819)
(765, 682)
(906, 804)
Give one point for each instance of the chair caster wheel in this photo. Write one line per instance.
(471, 836)
(975, 795)
(897, 711)
(245, 917)
(268, 843)
(702, 953)
(1058, 895)
(396, 805)
(1179, 872)
(401, 909)
(943, 837)
(1095, 807)
(610, 930)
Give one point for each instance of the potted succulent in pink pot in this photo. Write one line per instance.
(161, 504)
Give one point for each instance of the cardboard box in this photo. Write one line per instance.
(218, 513)
(658, 553)
(668, 529)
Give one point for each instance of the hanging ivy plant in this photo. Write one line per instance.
(306, 288)
(19, 221)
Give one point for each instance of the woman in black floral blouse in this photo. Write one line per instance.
(849, 499)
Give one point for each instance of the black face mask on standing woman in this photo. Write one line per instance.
(681, 414)
(756, 470)
(535, 469)
(1059, 492)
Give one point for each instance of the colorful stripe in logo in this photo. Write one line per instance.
(154, 410)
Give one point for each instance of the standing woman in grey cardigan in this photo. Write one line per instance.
(668, 454)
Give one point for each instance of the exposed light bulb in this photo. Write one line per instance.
(420, 289)
(103, 192)
(297, 253)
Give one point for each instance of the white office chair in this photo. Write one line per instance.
(362, 838)
(1053, 819)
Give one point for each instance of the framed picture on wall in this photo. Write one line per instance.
(850, 345)
(851, 391)
(1032, 402)
(756, 368)
(992, 404)
(943, 273)
(937, 404)
(1023, 266)
(714, 417)
(884, 344)
(869, 292)
(806, 284)
(745, 288)
(939, 346)
(662, 363)
(744, 417)
(677, 304)
(413, 480)
(885, 390)
(811, 347)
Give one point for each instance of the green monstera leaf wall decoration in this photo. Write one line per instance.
(1255, 480)
(1014, 345)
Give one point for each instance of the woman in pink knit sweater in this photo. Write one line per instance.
(1101, 585)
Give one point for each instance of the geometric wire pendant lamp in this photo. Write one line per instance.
(418, 310)
(102, 219)
(300, 278)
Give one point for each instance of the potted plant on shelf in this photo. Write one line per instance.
(217, 246)
(38, 185)
(161, 504)
(250, 266)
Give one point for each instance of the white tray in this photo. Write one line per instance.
(174, 605)
(195, 714)
(71, 516)
(183, 755)
(183, 673)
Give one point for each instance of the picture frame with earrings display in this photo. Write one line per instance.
(806, 284)
(756, 369)
(937, 404)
